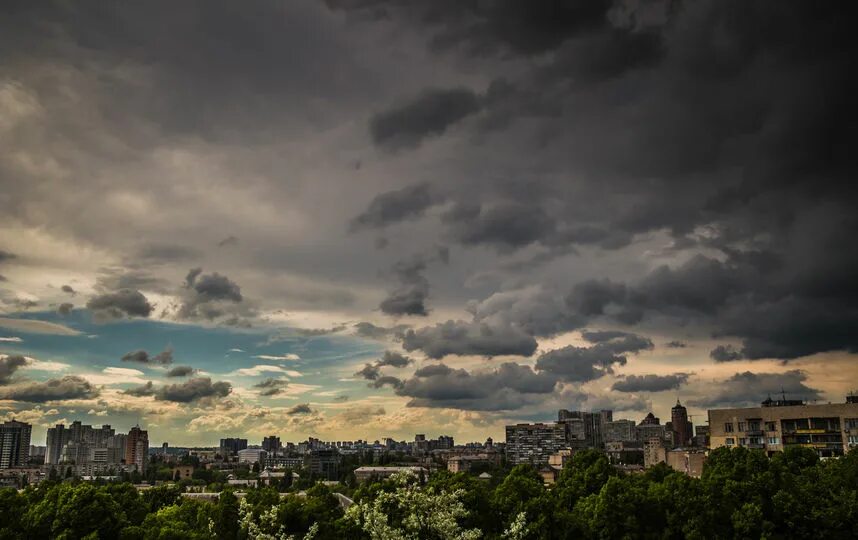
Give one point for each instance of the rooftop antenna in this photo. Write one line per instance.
(783, 393)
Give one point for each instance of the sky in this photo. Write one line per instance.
(354, 219)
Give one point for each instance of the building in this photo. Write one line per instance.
(362, 474)
(182, 472)
(231, 446)
(625, 452)
(584, 429)
(534, 443)
(92, 450)
(14, 444)
(465, 462)
(324, 463)
(829, 429)
(682, 428)
(271, 444)
(619, 430)
(137, 448)
(701, 437)
(654, 452)
(689, 462)
(252, 455)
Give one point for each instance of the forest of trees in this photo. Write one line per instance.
(742, 494)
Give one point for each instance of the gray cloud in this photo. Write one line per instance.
(68, 289)
(675, 344)
(372, 331)
(382, 380)
(581, 364)
(164, 357)
(193, 390)
(509, 386)
(301, 408)
(181, 371)
(9, 365)
(725, 353)
(213, 296)
(469, 338)
(369, 372)
(65, 388)
(650, 383)
(119, 304)
(65, 308)
(429, 114)
(271, 386)
(143, 390)
(749, 389)
(393, 359)
(395, 206)
(535, 310)
(167, 253)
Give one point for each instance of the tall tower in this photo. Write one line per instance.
(137, 448)
(681, 427)
(14, 444)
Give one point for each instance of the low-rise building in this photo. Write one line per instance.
(829, 429)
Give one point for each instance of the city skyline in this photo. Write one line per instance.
(367, 218)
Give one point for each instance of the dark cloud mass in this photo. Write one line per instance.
(462, 338)
(395, 206)
(9, 365)
(143, 390)
(65, 388)
(725, 353)
(181, 371)
(193, 390)
(119, 304)
(430, 113)
(270, 386)
(650, 383)
(301, 408)
(748, 389)
(164, 357)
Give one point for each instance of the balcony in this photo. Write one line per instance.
(755, 433)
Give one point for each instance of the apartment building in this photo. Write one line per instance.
(534, 443)
(830, 429)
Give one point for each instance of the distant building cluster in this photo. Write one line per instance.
(90, 451)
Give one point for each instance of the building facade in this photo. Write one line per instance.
(829, 429)
(682, 428)
(534, 443)
(14, 444)
(137, 448)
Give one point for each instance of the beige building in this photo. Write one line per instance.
(689, 462)
(829, 429)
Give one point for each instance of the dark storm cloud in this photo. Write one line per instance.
(496, 26)
(393, 382)
(372, 331)
(140, 356)
(65, 308)
(505, 225)
(675, 344)
(213, 296)
(410, 297)
(301, 408)
(509, 386)
(749, 389)
(193, 390)
(9, 365)
(650, 383)
(535, 310)
(68, 289)
(464, 338)
(393, 359)
(725, 353)
(65, 388)
(582, 364)
(119, 304)
(143, 390)
(430, 113)
(181, 371)
(395, 206)
(271, 386)
(369, 372)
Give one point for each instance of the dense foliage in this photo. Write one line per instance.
(742, 494)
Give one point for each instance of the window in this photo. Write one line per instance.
(771, 426)
(773, 440)
(742, 426)
(852, 423)
(853, 439)
(754, 425)
(728, 427)
(730, 441)
(743, 441)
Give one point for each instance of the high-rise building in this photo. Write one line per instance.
(58, 437)
(619, 430)
(231, 446)
(682, 428)
(534, 443)
(650, 428)
(137, 448)
(14, 444)
(271, 444)
(91, 449)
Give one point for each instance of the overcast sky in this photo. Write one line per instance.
(367, 218)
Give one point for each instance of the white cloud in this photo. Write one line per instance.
(260, 369)
(283, 357)
(37, 327)
(123, 371)
(11, 339)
